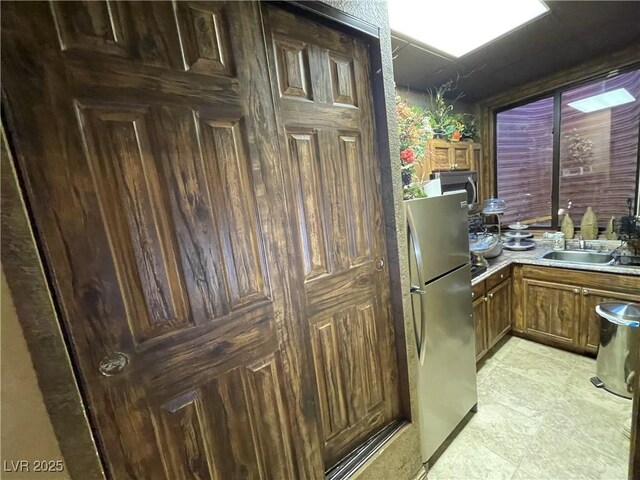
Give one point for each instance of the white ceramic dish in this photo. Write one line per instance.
(518, 226)
(522, 245)
(518, 235)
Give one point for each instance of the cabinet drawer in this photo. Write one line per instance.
(498, 277)
(477, 291)
(586, 279)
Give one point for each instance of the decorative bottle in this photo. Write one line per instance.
(610, 232)
(567, 227)
(589, 225)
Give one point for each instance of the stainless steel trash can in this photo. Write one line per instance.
(619, 346)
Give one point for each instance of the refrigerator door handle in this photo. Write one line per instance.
(475, 190)
(420, 339)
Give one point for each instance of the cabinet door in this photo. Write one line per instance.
(590, 321)
(475, 155)
(480, 325)
(498, 312)
(460, 156)
(552, 311)
(438, 155)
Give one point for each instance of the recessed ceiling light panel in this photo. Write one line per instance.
(463, 28)
(604, 100)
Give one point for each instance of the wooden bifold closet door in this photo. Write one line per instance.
(209, 211)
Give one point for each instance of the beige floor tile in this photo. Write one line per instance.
(554, 455)
(509, 344)
(468, 459)
(568, 359)
(503, 430)
(486, 367)
(516, 391)
(595, 426)
(539, 418)
(584, 365)
(579, 386)
(543, 369)
(522, 475)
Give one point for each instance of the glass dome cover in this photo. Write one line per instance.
(494, 205)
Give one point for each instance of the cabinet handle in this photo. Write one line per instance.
(491, 295)
(576, 290)
(473, 294)
(501, 276)
(585, 292)
(486, 299)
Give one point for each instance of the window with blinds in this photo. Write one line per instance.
(525, 160)
(595, 159)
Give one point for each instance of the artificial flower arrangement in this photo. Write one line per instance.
(416, 125)
(413, 133)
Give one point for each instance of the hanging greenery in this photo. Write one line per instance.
(444, 122)
(416, 125)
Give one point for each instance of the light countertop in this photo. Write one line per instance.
(533, 257)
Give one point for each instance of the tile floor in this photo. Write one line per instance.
(539, 417)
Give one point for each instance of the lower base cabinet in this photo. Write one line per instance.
(551, 311)
(480, 324)
(557, 306)
(491, 311)
(590, 331)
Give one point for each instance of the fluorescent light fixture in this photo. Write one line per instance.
(609, 99)
(459, 27)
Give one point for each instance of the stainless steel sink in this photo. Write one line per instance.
(575, 256)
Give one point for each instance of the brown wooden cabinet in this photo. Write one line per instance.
(498, 312)
(552, 310)
(446, 155)
(557, 305)
(590, 322)
(480, 325)
(491, 310)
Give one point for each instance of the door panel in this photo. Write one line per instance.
(552, 310)
(325, 119)
(461, 156)
(498, 312)
(480, 326)
(146, 138)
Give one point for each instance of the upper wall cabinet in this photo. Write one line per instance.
(446, 155)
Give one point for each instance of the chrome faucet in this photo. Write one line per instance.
(581, 243)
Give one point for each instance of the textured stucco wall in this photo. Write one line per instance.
(401, 457)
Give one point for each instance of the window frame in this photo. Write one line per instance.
(556, 94)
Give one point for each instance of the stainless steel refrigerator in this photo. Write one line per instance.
(443, 322)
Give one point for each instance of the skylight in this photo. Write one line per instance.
(458, 28)
(604, 100)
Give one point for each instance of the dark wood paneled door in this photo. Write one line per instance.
(145, 134)
(325, 120)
